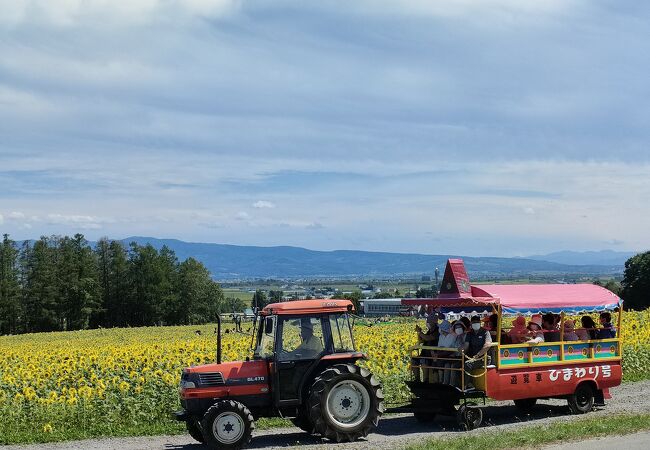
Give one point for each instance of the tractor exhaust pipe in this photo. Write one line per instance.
(218, 339)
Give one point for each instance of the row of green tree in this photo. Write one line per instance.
(62, 283)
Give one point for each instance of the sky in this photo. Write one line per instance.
(483, 128)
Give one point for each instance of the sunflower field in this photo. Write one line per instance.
(109, 382)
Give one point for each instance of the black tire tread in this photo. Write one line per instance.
(315, 402)
(303, 423)
(463, 421)
(194, 429)
(573, 400)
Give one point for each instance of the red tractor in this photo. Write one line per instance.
(303, 367)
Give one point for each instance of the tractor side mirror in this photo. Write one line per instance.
(268, 325)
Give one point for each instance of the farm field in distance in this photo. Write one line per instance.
(116, 382)
(407, 287)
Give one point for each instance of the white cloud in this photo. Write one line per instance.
(480, 10)
(67, 13)
(77, 221)
(16, 215)
(528, 210)
(263, 204)
(2, 219)
(242, 215)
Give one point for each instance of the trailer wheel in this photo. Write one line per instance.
(469, 416)
(345, 403)
(582, 400)
(194, 429)
(525, 404)
(227, 425)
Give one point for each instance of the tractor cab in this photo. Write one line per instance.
(303, 367)
(298, 339)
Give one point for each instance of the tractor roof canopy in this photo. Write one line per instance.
(457, 293)
(306, 307)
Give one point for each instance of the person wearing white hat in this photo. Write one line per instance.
(535, 333)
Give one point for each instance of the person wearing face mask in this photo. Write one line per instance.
(446, 340)
(477, 343)
(457, 341)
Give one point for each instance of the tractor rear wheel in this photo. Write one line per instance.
(194, 429)
(227, 425)
(345, 403)
(303, 423)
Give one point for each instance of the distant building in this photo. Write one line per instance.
(383, 307)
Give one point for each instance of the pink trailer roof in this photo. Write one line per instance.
(455, 292)
(549, 297)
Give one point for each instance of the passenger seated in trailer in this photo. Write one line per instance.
(492, 325)
(588, 330)
(551, 333)
(448, 339)
(607, 331)
(535, 334)
(452, 377)
(477, 344)
(569, 332)
(428, 338)
(518, 334)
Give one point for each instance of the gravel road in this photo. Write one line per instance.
(394, 431)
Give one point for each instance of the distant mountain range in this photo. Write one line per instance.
(603, 257)
(227, 262)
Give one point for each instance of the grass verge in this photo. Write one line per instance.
(534, 436)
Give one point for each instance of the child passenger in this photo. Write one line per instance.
(569, 332)
(535, 334)
(518, 332)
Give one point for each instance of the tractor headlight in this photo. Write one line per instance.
(187, 384)
(188, 381)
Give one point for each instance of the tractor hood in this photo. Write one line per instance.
(228, 373)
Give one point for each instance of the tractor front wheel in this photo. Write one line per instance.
(227, 425)
(194, 429)
(345, 403)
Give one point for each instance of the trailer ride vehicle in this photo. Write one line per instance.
(580, 371)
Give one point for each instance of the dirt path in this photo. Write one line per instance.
(393, 432)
